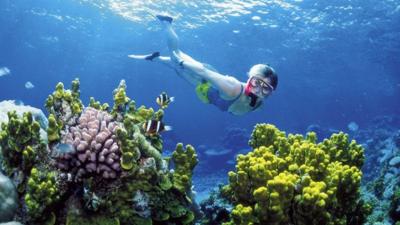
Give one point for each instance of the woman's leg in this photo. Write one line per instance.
(173, 42)
(155, 57)
(176, 55)
(166, 60)
(172, 37)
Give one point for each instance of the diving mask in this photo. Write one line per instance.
(261, 86)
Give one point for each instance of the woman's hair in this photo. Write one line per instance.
(266, 71)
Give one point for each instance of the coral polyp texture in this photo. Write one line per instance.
(291, 179)
(96, 166)
(95, 147)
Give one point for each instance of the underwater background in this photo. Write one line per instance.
(338, 64)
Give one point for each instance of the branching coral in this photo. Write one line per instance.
(65, 105)
(184, 160)
(95, 144)
(20, 143)
(294, 180)
(96, 104)
(121, 101)
(42, 191)
(54, 129)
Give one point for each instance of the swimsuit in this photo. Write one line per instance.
(210, 95)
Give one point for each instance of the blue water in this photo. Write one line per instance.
(337, 61)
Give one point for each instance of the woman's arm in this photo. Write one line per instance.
(228, 86)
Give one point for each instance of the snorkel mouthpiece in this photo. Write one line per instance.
(248, 92)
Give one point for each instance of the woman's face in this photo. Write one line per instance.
(260, 86)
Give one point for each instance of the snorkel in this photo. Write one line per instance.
(249, 93)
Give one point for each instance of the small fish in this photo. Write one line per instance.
(61, 149)
(154, 127)
(352, 126)
(29, 85)
(215, 152)
(163, 100)
(4, 71)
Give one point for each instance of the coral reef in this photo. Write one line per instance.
(98, 167)
(294, 180)
(167, 199)
(381, 139)
(215, 209)
(394, 211)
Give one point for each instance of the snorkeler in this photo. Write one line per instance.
(223, 91)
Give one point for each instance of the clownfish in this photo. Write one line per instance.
(163, 100)
(153, 127)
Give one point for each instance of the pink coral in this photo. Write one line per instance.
(96, 150)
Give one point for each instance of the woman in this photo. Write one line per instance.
(225, 92)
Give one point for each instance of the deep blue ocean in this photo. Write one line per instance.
(338, 61)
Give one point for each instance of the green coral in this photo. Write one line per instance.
(20, 142)
(73, 219)
(54, 129)
(184, 160)
(97, 105)
(294, 180)
(134, 145)
(121, 101)
(167, 206)
(142, 115)
(42, 191)
(65, 104)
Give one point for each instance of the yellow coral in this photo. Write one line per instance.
(294, 178)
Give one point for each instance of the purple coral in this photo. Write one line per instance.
(95, 144)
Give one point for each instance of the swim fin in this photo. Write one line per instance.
(165, 18)
(146, 57)
(152, 56)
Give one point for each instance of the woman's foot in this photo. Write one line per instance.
(165, 18)
(152, 56)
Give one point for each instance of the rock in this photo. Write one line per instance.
(395, 161)
(11, 105)
(8, 199)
